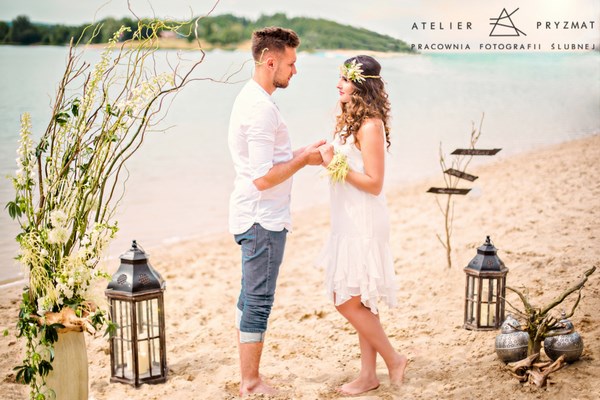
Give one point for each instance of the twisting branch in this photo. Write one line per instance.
(540, 324)
(559, 299)
(523, 298)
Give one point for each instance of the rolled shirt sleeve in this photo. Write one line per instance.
(261, 140)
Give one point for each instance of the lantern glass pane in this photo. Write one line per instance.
(148, 338)
(143, 358)
(156, 359)
(489, 300)
(493, 302)
(147, 319)
(470, 297)
(121, 357)
(469, 288)
(484, 292)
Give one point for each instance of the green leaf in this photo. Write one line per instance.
(75, 107)
(6, 332)
(20, 370)
(44, 368)
(61, 118)
(50, 332)
(13, 209)
(111, 329)
(42, 146)
(112, 111)
(25, 373)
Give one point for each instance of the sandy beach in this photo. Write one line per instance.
(542, 210)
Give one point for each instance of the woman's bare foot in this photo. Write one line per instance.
(396, 371)
(359, 385)
(257, 388)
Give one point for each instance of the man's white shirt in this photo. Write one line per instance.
(258, 139)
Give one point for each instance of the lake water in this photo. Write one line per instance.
(181, 179)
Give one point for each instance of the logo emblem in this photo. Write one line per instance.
(504, 26)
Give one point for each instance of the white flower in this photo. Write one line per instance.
(353, 71)
(85, 241)
(58, 218)
(68, 292)
(44, 253)
(21, 177)
(82, 253)
(43, 305)
(58, 235)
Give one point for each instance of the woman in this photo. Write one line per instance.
(359, 266)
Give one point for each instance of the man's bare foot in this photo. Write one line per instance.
(358, 386)
(257, 388)
(397, 370)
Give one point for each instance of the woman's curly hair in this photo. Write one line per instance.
(369, 100)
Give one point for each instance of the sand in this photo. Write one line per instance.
(542, 212)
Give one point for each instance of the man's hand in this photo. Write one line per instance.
(312, 153)
(309, 155)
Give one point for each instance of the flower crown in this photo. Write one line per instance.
(353, 71)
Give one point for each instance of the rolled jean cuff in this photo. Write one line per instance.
(252, 337)
(247, 337)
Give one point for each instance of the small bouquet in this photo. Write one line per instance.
(338, 168)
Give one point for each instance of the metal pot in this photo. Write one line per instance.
(569, 344)
(511, 343)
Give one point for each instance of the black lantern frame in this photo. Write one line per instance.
(138, 348)
(485, 289)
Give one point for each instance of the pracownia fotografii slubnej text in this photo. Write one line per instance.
(504, 46)
(507, 42)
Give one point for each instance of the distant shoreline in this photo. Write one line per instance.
(9, 282)
(184, 44)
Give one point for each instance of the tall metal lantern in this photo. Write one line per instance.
(485, 289)
(137, 350)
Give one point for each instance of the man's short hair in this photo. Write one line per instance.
(273, 38)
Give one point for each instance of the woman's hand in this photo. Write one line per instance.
(326, 153)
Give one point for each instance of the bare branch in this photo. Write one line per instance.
(569, 315)
(518, 311)
(566, 293)
(524, 299)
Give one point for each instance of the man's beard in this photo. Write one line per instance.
(281, 84)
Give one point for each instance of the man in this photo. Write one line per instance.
(259, 209)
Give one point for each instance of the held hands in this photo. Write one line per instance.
(326, 151)
(313, 153)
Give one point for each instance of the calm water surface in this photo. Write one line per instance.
(181, 179)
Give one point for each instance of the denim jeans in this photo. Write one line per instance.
(262, 253)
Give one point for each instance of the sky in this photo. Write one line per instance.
(396, 18)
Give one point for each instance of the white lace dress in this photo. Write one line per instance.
(357, 257)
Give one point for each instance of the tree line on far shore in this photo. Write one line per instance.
(225, 31)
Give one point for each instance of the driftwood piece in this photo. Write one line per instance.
(519, 369)
(539, 376)
(542, 364)
(69, 319)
